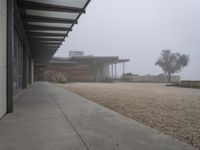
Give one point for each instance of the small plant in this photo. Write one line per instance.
(127, 78)
(59, 78)
(128, 74)
(175, 84)
(108, 80)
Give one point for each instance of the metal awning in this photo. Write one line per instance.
(89, 59)
(48, 22)
(122, 60)
(108, 59)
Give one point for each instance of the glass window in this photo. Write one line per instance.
(17, 63)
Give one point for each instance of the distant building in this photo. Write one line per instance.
(76, 53)
(81, 68)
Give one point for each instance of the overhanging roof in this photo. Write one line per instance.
(123, 60)
(107, 59)
(95, 58)
(88, 59)
(48, 22)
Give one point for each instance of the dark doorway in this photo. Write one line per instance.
(17, 63)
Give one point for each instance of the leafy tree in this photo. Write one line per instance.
(172, 62)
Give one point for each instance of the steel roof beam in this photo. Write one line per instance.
(47, 28)
(39, 39)
(30, 34)
(50, 7)
(33, 18)
(44, 48)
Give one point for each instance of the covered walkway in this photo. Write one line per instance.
(47, 117)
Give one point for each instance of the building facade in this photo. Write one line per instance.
(80, 68)
(30, 33)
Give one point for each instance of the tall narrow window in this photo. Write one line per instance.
(17, 63)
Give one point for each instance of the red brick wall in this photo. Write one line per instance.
(74, 72)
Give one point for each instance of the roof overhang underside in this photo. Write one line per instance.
(88, 59)
(48, 23)
(103, 59)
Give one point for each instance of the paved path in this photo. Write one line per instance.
(47, 117)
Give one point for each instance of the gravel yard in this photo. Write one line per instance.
(174, 111)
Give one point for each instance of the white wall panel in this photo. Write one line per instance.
(3, 25)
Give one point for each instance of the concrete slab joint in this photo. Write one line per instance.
(48, 117)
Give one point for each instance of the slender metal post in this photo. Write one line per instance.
(123, 68)
(115, 70)
(10, 49)
(112, 70)
(32, 71)
(24, 76)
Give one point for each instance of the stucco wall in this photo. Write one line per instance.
(190, 84)
(3, 36)
(150, 78)
(74, 72)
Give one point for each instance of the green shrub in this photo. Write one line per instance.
(176, 84)
(108, 80)
(127, 78)
(128, 74)
(59, 78)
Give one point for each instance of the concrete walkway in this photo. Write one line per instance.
(47, 117)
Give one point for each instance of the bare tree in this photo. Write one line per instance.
(172, 62)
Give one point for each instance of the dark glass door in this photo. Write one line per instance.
(17, 63)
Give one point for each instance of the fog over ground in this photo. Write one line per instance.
(139, 30)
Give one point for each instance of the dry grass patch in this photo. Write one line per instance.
(174, 111)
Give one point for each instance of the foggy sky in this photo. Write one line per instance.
(139, 30)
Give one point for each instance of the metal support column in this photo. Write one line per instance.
(32, 71)
(115, 70)
(123, 68)
(10, 49)
(24, 76)
(112, 70)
